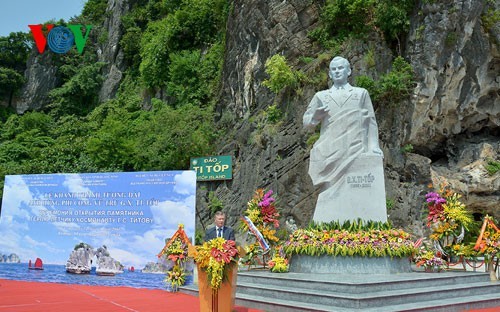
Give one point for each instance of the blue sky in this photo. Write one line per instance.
(132, 213)
(16, 15)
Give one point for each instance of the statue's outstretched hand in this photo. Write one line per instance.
(321, 112)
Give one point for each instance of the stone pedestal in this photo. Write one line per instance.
(360, 193)
(354, 265)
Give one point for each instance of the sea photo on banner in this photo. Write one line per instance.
(131, 213)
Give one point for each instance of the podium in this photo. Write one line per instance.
(216, 300)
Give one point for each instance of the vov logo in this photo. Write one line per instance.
(60, 39)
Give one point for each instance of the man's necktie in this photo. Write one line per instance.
(219, 232)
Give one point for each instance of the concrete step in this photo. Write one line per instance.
(445, 304)
(442, 305)
(361, 283)
(415, 291)
(366, 300)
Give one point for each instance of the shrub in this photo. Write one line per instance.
(214, 203)
(368, 83)
(344, 18)
(280, 74)
(492, 167)
(408, 148)
(273, 113)
(397, 84)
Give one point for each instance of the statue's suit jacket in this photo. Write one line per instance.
(348, 130)
(227, 233)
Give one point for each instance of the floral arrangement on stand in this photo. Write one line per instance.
(448, 220)
(216, 257)
(176, 252)
(262, 212)
(362, 242)
(488, 244)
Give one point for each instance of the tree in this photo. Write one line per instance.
(170, 137)
(10, 82)
(79, 94)
(14, 51)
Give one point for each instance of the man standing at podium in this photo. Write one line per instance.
(220, 229)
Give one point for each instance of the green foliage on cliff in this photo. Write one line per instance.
(10, 81)
(173, 50)
(14, 51)
(79, 94)
(393, 87)
(196, 24)
(344, 18)
(281, 75)
(492, 167)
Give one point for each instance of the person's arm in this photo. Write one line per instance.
(314, 114)
(231, 234)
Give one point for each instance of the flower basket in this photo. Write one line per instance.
(429, 261)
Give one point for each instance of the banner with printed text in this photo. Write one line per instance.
(131, 213)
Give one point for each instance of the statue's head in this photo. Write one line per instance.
(340, 69)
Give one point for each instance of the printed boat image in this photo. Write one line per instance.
(38, 265)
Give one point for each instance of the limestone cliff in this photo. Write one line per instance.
(452, 119)
(110, 53)
(40, 79)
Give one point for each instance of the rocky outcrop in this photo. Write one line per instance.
(152, 267)
(80, 260)
(457, 66)
(455, 110)
(256, 31)
(111, 53)
(450, 124)
(466, 172)
(41, 74)
(12, 258)
(106, 265)
(272, 156)
(40, 79)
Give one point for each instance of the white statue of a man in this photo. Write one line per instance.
(348, 139)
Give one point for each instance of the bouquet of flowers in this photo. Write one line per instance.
(448, 219)
(262, 210)
(278, 264)
(176, 251)
(176, 277)
(429, 260)
(216, 257)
